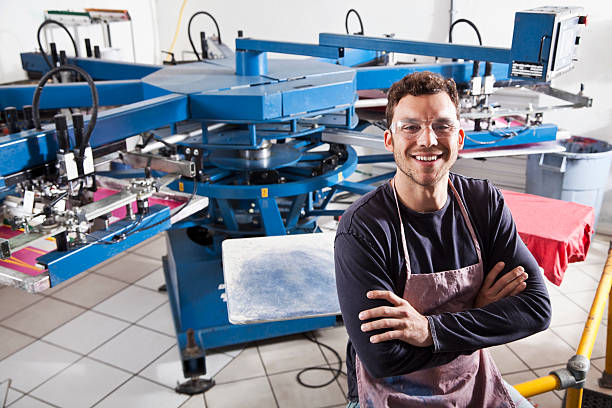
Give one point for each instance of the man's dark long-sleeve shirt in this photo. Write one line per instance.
(369, 256)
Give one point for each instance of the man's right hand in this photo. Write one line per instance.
(512, 283)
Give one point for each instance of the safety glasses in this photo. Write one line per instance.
(413, 128)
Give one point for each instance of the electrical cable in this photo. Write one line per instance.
(50, 21)
(176, 32)
(94, 97)
(358, 17)
(463, 20)
(502, 136)
(189, 31)
(335, 371)
(119, 236)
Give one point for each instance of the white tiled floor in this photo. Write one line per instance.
(106, 339)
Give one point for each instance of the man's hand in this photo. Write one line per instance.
(402, 321)
(510, 284)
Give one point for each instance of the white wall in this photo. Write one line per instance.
(19, 21)
(301, 21)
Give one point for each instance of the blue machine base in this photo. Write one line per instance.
(193, 275)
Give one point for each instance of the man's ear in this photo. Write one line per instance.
(460, 139)
(388, 140)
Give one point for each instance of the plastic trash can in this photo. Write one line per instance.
(579, 174)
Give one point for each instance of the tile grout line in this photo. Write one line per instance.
(88, 355)
(85, 309)
(267, 376)
(337, 379)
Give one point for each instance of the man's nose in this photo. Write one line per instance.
(427, 137)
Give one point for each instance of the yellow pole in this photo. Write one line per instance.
(573, 398)
(538, 386)
(608, 370)
(585, 348)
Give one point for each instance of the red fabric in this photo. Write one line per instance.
(556, 232)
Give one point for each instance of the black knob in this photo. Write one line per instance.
(97, 51)
(61, 129)
(62, 57)
(88, 48)
(28, 116)
(204, 44)
(10, 114)
(475, 69)
(54, 57)
(78, 126)
(240, 33)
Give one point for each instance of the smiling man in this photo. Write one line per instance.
(430, 269)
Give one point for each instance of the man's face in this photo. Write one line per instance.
(426, 158)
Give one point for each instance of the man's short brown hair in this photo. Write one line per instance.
(420, 83)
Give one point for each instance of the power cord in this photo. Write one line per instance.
(463, 20)
(47, 22)
(335, 371)
(189, 31)
(348, 13)
(94, 98)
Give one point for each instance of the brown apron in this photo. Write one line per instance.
(467, 381)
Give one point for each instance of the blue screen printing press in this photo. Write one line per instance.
(236, 156)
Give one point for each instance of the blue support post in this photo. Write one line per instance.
(295, 211)
(270, 216)
(251, 63)
(252, 134)
(228, 214)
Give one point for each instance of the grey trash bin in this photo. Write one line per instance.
(579, 174)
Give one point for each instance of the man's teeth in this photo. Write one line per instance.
(426, 158)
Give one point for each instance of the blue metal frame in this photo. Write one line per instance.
(31, 148)
(98, 69)
(491, 54)
(460, 72)
(311, 50)
(64, 265)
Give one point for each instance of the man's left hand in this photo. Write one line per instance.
(402, 321)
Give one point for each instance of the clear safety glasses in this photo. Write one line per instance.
(412, 128)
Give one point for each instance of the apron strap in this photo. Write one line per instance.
(467, 221)
(463, 212)
(402, 232)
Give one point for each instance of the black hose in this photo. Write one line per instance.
(463, 20)
(40, 27)
(348, 13)
(189, 31)
(94, 97)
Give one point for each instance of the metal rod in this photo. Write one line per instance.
(608, 368)
(179, 137)
(573, 398)
(595, 314)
